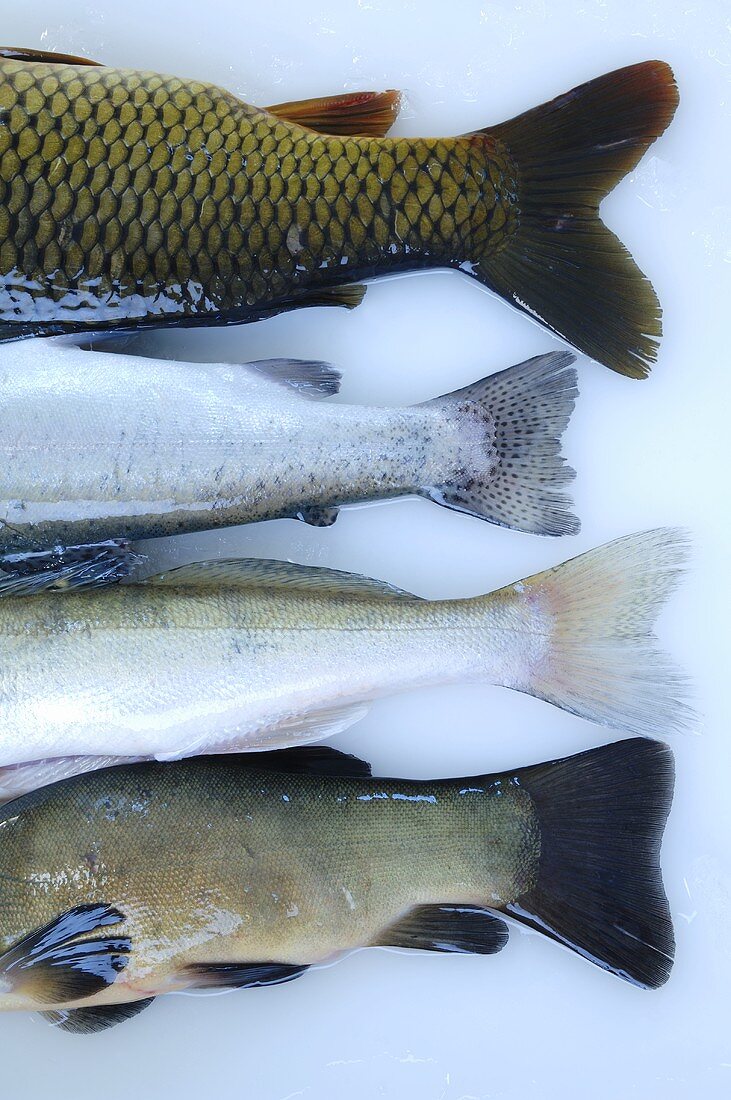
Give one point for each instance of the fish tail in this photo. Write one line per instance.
(597, 655)
(598, 888)
(508, 467)
(559, 263)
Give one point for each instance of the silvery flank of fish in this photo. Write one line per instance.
(238, 871)
(249, 655)
(99, 446)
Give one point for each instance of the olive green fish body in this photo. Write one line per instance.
(129, 198)
(206, 872)
(222, 863)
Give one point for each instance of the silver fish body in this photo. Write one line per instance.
(97, 446)
(245, 656)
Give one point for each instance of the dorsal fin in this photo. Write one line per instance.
(29, 53)
(370, 114)
(268, 573)
(305, 760)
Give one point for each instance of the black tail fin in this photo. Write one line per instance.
(507, 465)
(599, 888)
(561, 265)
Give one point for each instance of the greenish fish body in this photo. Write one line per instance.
(147, 879)
(255, 655)
(132, 198)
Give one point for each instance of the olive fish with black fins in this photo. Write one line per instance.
(232, 872)
(96, 446)
(130, 198)
(247, 655)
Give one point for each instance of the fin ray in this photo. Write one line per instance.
(509, 469)
(599, 889)
(561, 265)
(369, 114)
(464, 929)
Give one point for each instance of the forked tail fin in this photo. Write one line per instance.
(599, 887)
(561, 265)
(507, 465)
(591, 621)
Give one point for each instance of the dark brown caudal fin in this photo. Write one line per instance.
(599, 887)
(561, 265)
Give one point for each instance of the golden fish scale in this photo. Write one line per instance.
(116, 183)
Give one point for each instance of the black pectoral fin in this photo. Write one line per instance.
(52, 965)
(463, 929)
(243, 976)
(87, 1021)
(22, 53)
(66, 567)
(318, 517)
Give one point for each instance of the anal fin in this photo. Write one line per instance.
(319, 517)
(369, 114)
(463, 929)
(239, 975)
(87, 1021)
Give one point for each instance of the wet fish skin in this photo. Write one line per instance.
(211, 659)
(155, 197)
(130, 198)
(221, 862)
(97, 446)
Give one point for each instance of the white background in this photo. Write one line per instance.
(533, 1021)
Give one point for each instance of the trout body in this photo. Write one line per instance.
(98, 446)
(130, 198)
(150, 878)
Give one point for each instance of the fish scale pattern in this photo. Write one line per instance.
(133, 195)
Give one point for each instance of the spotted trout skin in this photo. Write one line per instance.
(129, 197)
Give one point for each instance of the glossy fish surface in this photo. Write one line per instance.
(231, 872)
(231, 655)
(132, 198)
(97, 446)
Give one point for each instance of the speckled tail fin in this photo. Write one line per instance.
(510, 469)
(561, 265)
(599, 888)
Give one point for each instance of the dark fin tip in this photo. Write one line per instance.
(462, 929)
(599, 887)
(88, 1021)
